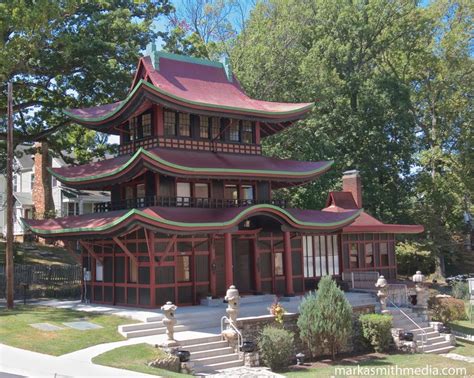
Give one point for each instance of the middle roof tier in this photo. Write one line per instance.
(190, 164)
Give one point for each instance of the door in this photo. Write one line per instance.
(242, 253)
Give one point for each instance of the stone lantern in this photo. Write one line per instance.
(421, 294)
(382, 285)
(233, 303)
(169, 322)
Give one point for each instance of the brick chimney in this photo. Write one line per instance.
(351, 182)
(42, 191)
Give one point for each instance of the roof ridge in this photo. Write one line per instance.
(157, 55)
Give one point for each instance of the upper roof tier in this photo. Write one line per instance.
(191, 85)
(197, 164)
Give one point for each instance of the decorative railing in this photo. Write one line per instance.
(137, 203)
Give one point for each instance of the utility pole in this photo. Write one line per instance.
(9, 249)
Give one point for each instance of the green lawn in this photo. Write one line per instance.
(135, 357)
(390, 361)
(40, 255)
(464, 326)
(15, 329)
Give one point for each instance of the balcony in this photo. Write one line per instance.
(210, 203)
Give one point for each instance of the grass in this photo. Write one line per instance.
(135, 358)
(15, 329)
(22, 255)
(390, 361)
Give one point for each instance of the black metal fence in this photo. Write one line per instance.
(36, 281)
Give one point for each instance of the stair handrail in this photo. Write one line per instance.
(240, 341)
(424, 336)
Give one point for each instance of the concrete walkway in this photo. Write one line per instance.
(26, 363)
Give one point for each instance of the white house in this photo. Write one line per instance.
(67, 201)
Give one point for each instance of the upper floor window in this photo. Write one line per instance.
(234, 131)
(203, 127)
(170, 123)
(184, 124)
(146, 125)
(215, 128)
(139, 127)
(247, 132)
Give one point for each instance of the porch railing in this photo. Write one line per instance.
(136, 203)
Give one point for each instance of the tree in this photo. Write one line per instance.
(69, 54)
(325, 319)
(332, 52)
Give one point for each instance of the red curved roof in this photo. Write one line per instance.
(193, 85)
(190, 164)
(341, 202)
(184, 219)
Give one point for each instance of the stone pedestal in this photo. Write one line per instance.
(251, 359)
(187, 368)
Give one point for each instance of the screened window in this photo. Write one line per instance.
(146, 125)
(279, 264)
(183, 269)
(247, 193)
(132, 271)
(384, 254)
(234, 131)
(369, 254)
(204, 127)
(354, 255)
(169, 123)
(184, 124)
(308, 256)
(231, 192)
(247, 132)
(215, 128)
(201, 190)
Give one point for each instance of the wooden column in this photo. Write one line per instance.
(229, 271)
(288, 264)
(256, 266)
(151, 254)
(212, 265)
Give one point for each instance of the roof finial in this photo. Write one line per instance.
(151, 51)
(227, 68)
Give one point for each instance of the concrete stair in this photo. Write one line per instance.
(145, 329)
(427, 339)
(210, 354)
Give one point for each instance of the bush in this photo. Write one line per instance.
(325, 319)
(460, 290)
(276, 347)
(359, 343)
(376, 329)
(412, 257)
(447, 309)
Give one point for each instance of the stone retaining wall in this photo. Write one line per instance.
(251, 327)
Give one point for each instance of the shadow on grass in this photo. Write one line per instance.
(47, 314)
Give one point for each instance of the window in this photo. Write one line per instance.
(335, 249)
(140, 190)
(204, 127)
(169, 123)
(215, 128)
(128, 192)
(146, 125)
(317, 254)
(308, 256)
(322, 240)
(183, 269)
(369, 254)
(134, 128)
(184, 124)
(247, 194)
(384, 254)
(32, 182)
(354, 256)
(99, 271)
(183, 192)
(15, 183)
(234, 131)
(201, 190)
(231, 192)
(247, 132)
(132, 271)
(72, 208)
(278, 256)
(330, 255)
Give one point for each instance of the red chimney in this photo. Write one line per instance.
(42, 191)
(351, 182)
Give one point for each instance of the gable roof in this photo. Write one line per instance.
(191, 85)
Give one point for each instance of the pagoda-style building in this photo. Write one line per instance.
(192, 208)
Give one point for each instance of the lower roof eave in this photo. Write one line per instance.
(385, 229)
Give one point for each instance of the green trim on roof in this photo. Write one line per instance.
(156, 158)
(197, 103)
(186, 224)
(185, 58)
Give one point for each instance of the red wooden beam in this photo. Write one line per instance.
(91, 251)
(125, 249)
(167, 250)
(150, 241)
(212, 265)
(288, 263)
(229, 269)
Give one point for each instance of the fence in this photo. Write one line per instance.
(43, 281)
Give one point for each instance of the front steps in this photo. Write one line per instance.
(146, 329)
(434, 342)
(210, 354)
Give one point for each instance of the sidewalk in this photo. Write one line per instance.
(32, 364)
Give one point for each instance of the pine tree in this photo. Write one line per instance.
(325, 319)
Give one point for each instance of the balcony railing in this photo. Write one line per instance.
(209, 203)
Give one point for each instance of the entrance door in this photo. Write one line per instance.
(242, 253)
